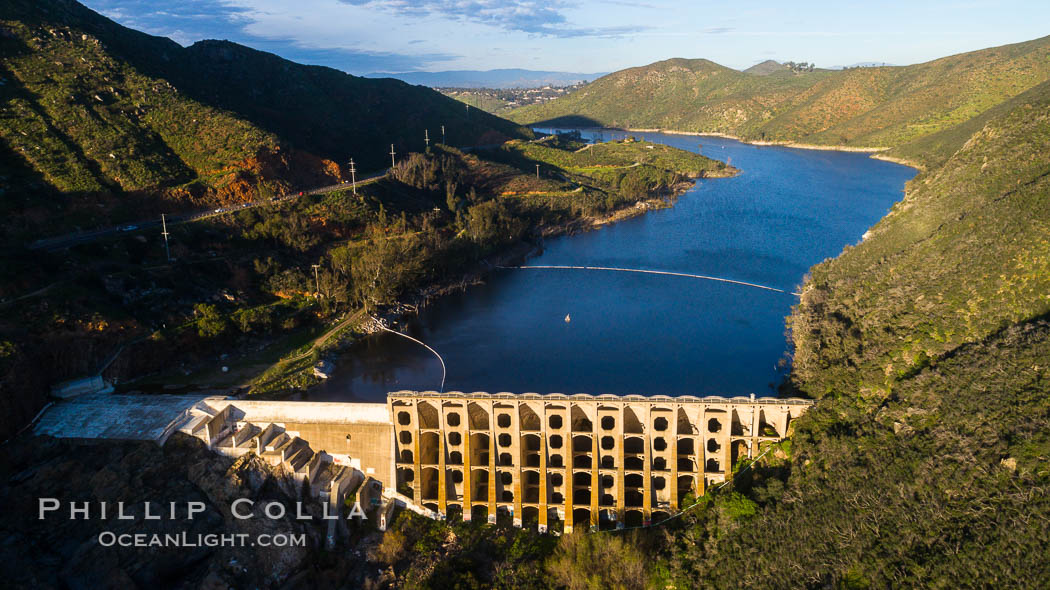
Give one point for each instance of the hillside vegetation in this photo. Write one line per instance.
(241, 284)
(101, 123)
(964, 255)
(925, 461)
(866, 107)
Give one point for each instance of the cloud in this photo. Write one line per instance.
(183, 21)
(188, 21)
(718, 30)
(527, 16)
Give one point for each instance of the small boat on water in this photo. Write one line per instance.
(567, 318)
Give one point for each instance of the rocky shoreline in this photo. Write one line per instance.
(874, 151)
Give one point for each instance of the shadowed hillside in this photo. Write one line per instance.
(116, 121)
(869, 107)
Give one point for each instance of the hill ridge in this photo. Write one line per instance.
(883, 107)
(117, 118)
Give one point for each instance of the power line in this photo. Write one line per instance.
(164, 225)
(353, 176)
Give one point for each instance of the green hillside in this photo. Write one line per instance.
(102, 123)
(869, 107)
(965, 254)
(925, 461)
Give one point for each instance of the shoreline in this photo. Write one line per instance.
(413, 302)
(524, 250)
(874, 152)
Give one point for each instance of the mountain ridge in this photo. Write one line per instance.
(113, 117)
(878, 107)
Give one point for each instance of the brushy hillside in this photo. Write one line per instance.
(943, 485)
(100, 122)
(925, 461)
(766, 68)
(965, 254)
(868, 107)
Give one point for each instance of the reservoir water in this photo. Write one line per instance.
(638, 333)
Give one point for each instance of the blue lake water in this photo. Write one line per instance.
(646, 334)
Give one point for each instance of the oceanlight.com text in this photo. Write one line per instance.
(111, 539)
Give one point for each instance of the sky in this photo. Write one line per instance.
(364, 36)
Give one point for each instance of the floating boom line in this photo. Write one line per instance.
(653, 272)
(424, 345)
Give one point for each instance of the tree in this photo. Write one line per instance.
(382, 267)
(597, 561)
(210, 323)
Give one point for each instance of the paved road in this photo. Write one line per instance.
(65, 241)
(59, 242)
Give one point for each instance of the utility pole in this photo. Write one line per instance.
(537, 171)
(391, 155)
(317, 280)
(443, 135)
(426, 138)
(353, 176)
(164, 232)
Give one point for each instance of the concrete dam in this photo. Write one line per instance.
(584, 461)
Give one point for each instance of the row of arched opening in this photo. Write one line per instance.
(634, 456)
(582, 484)
(632, 462)
(478, 418)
